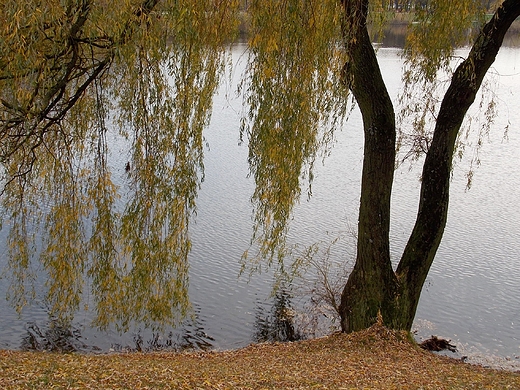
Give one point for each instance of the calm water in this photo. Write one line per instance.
(472, 294)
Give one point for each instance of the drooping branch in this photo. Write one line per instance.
(291, 105)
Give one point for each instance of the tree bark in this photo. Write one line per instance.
(373, 287)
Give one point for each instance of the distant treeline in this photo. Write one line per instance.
(403, 5)
(397, 28)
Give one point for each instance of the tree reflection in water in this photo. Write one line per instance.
(275, 319)
(56, 336)
(192, 336)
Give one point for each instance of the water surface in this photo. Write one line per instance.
(472, 295)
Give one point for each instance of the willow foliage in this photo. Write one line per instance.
(71, 70)
(437, 30)
(83, 80)
(295, 99)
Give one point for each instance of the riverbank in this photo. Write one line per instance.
(375, 358)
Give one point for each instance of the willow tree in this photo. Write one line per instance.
(82, 80)
(283, 147)
(75, 77)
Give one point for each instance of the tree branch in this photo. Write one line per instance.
(32, 122)
(433, 207)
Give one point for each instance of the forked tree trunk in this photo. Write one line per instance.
(373, 287)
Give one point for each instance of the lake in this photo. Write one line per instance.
(471, 296)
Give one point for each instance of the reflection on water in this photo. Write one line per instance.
(275, 319)
(53, 336)
(191, 337)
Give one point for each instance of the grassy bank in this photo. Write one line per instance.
(376, 358)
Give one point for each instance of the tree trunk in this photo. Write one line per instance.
(373, 287)
(433, 205)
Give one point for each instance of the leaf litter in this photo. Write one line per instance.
(376, 358)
